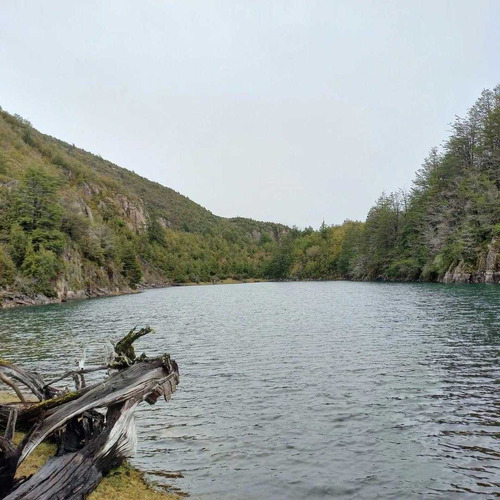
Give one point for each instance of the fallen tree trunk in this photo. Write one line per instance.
(90, 443)
(74, 475)
(138, 381)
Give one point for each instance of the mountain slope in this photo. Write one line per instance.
(73, 224)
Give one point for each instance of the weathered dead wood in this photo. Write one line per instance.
(71, 373)
(6, 380)
(73, 475)
(9, 454)
(125, 352)
(139, 380)
(90, 443)
(11, 424)
(31, 380)
(28, 413)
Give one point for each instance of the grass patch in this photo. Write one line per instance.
(127, 483)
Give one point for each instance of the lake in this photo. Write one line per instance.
(294, 390)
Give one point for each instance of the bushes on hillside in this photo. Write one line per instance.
(42, 266)
(7, 268)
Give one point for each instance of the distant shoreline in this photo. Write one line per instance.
(11, 300)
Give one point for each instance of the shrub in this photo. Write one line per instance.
(18, 240)
(42, 266)
(7, 269)
(131, 267)
(404, 269)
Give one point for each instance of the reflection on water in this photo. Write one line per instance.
(293, 390)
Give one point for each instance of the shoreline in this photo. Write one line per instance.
(11, 300)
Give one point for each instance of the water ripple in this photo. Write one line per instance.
(297, 390)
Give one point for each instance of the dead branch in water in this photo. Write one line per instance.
(90, 442)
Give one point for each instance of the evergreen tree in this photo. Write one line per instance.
(7, 268)
(38, 211)
(42, 266)
(18, 243)
(131, 266)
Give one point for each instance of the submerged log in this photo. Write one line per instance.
(90, 442)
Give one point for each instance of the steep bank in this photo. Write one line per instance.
(486, 270)
(73, 225)
(10, 299)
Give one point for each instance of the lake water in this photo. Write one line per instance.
(295, 390)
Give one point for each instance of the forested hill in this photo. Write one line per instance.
(75, 225)
(445, 228)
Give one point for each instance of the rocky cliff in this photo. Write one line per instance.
(487, 269)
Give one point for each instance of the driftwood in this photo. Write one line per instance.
(90, 441)
(32, 381)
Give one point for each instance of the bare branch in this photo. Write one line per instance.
(6, 380)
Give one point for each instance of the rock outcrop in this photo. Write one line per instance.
(132, 212)
(487, 269)
(492, 272)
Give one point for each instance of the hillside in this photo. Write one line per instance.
(75, 225)
(446, 228)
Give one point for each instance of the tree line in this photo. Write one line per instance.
(450, 216)
(63, 222)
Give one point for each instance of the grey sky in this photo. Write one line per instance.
(277, 110)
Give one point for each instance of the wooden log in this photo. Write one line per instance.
(9, 454)
(89, 443)
(140, 379)
(74, 475)
(11, 424)
(71, 373)
(29, 412)
(6, 380)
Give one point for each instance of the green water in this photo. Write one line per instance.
(294, 390)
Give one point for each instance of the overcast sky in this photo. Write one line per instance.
(288, 111)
